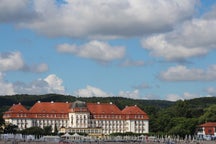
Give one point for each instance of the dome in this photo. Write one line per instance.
(78, 104)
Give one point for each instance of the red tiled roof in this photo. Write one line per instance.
(17, 108)
(208, 124)
(133, 111)
(15, 111)
(60, 110)
(103, 108)
(50, 107)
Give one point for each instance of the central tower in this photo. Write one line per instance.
(79, 115)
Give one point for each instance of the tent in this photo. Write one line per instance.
(74, 137)
(66, 136)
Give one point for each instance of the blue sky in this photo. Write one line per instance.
(139, 49)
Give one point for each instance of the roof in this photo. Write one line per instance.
(208, 124)
(134, 110)
(50, 107)
(60, 110)
(17, 108)
(15, 111)
(103, 108)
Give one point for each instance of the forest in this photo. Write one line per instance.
(166, 118)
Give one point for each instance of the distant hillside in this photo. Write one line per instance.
(197, 105)
(29, 100)
(121, 102)
(202, 102)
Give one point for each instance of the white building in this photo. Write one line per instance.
(92, 118)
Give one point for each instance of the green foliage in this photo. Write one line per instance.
(47, 130)
(182, 126)
(82, 134)
(11, 129)
(181, 109)
(55, 130)
(209, 114)
(2, 122)
(174, 120)
(33, 131)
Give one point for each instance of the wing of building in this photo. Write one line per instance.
(92, 118)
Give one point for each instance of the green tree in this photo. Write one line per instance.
(182, 126)
(181, 109)
(162, 120)
(55, 130)
(209, 114)
(2, 123)
(33, 131)
(11, 128)
(47, 130)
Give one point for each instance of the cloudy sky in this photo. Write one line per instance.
(141, 49)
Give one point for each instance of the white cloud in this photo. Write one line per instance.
(50, 84)
(173, 97)
(91, 91)
(102, 18)
(211, 91)
(152, 97)
(182, 73)
(96, 50)
(14, 11)
(11, 61)
(5, 87)
(130, 94)
(55, 84)
(38, 86)
(185, 96)
(192, 38)
(160, 47)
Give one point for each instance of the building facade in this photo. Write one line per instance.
(208, 128)
(92, 118)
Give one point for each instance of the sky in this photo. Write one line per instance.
(140, 49)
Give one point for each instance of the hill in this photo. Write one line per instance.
(121, 102)
(29, 100)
